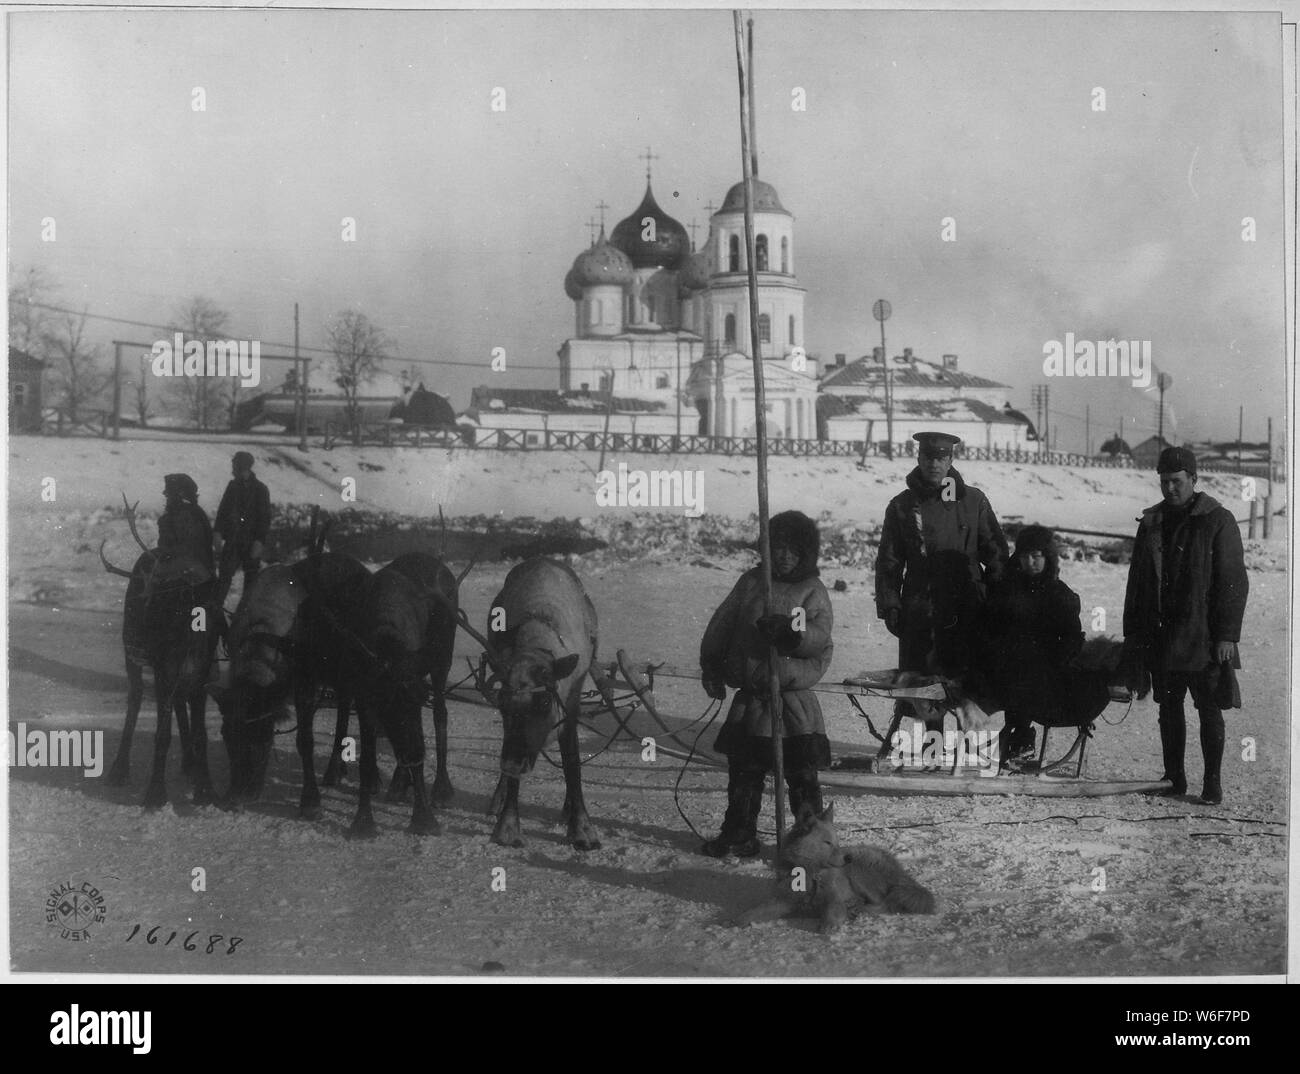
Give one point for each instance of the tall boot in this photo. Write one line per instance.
(804, 790)
(739, 833)
(1212, 738)
(1173, 744)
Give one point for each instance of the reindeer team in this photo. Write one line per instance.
(381, 641)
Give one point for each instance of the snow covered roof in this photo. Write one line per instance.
(549, 401)
(936, 410)
(907, 373)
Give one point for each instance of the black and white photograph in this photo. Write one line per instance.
(650, 493)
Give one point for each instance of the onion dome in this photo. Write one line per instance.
(670, 246)
(571, 287)
(765, 199)
(602, 263)
(695, 275)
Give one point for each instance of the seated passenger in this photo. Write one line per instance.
(1031, 635)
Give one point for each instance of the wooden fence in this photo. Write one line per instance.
(669, 444)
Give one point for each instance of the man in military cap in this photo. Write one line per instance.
(1186, 597)
(939, 547)
(243, 519)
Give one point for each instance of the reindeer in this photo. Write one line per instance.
(158, 629)
(286, 640)
(406, 632)
(542, 629)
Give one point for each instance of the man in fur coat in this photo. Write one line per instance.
(1186, 597)
(734, 653)
(939, 548)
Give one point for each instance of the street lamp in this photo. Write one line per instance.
(1164, 381)
(881, 310)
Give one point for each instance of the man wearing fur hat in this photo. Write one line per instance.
(1186, 597)
(243, 519)
(184, 538)
(734, 652)
(940, 546)
(1031, 633)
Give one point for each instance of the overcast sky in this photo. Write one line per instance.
(1125, 223)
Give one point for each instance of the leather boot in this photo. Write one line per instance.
(1173, 744)
(804, 790)
(739, 833)
(1212, 738)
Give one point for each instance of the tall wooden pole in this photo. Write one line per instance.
(775, 702)
(1087, 430)
(301, 369)
(117, 390)
(753, 130)
(1268, 496)
(1241, 418)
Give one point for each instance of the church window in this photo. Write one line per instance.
(764, 328)
(606, 382)
(785, 254)
(792, 329)
(733, 255)
(661, 381)
(650, 307)
(729, 331)
(19, 393)
(593, 311)
(760, 253)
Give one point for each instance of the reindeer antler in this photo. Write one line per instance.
(108, 566)
(469, 567)
(130, 521)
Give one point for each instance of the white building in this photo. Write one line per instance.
(927, 396)
(655, 321)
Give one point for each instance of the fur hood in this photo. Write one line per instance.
(800, 532)
(1037, 539)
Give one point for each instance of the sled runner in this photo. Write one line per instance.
(954, 771)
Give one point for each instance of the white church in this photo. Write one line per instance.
(665, 331)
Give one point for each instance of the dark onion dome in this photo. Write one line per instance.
(765, 199)
(671, 245)
(571, 287)
(695, 274)
(602, 263)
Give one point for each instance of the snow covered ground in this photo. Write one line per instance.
(1118, 886)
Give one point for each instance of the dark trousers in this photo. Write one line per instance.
(235, 558)
(1174, 686)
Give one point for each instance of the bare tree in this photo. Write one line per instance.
(359, 349)
(29, 322)
(202, 319)
(76, 363)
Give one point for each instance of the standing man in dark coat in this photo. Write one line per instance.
(243, 519)
(1183, 608)
(940, 547)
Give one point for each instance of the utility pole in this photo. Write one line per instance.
(301, 367)
(1241, 418)
(117, 390)
(1087, 430)
(1268, 496)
